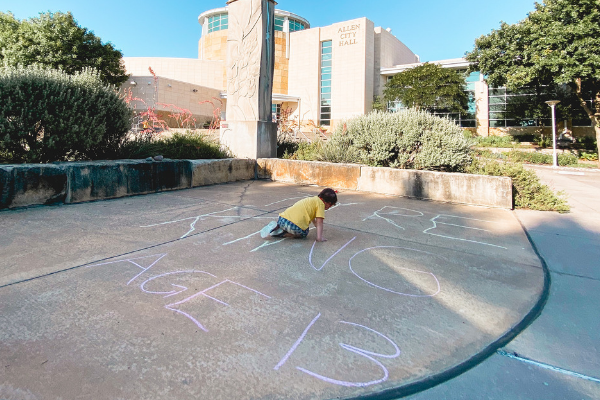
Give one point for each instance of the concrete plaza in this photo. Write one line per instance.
(175, 295)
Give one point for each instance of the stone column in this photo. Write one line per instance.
(249, 131)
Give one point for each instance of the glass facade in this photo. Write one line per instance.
(325, 84)
(296, 25)
(465, 120)
(218, 22)
(279, 23)
(525, 107)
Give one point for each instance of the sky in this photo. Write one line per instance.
(433, 29)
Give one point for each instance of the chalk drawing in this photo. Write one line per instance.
(362, 352)
(203, 293)
(193, 224)
(289, 198)
(173, 292)
(436, 223)
(407, 269)
(293, 348)
(313, 247)
(380, 214)
(340, 204)
(270, 243)
(133, 261)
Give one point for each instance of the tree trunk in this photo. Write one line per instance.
(594, 116)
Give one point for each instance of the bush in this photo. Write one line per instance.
(406, 139)
(588, 156)
(540, 158)
(179, 146)
(47, 115)
(528, 191)
(305, 151)
(494, 141)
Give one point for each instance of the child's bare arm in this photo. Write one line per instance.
(319, 224)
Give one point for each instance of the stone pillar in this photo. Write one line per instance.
(249, 131)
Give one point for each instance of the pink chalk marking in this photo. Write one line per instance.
(145, 269)
(293, 348)
(407, 269)
(132, 261)
(350, 384)
(396, 354)
(171, 293)
(203, 293)
(334, 254)
(361, 352)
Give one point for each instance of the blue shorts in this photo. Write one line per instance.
(292, 228)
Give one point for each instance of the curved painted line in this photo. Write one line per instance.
(311, 252)
(350, 384)
(396, 354)
(166, 274)
(408, 269)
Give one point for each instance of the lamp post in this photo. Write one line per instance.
(552, 104)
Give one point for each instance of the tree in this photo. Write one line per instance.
(428, 87)
(557, 44)
(55, 40)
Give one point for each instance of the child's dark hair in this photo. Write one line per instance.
(329, 196)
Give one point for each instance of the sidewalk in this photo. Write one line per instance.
(558, 355)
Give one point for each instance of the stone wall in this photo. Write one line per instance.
(42, 184)
(489, 191)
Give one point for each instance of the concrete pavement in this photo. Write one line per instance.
(558, 356)
(175, 295)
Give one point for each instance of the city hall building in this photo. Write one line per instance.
(322, 75)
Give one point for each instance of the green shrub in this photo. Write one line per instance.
(47, 115)
(540, 158)
(285, 148)
(528, 191)
(494, 141)
(305, 151)
(588, 156)
(406, 139)
(179, 146)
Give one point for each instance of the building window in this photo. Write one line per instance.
(279, 23)
(217, 22)
(295, 25)
(524, 106)
(275, 111)
(466, 120)
(325, 106)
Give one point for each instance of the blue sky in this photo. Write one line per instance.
(433, 29)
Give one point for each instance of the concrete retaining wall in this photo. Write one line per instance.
(489, 191)
(37, 184)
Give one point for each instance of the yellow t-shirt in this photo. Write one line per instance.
(304, 211)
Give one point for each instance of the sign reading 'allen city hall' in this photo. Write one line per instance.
(348, 34)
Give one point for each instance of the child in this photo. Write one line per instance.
(294, 221)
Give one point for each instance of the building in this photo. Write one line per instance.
(322, 75)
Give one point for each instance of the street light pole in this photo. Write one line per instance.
(552, 104)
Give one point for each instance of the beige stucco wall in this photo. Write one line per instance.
(304, 72)
(171, 96)
(389, 51)
(205, 73)
(353, 59)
